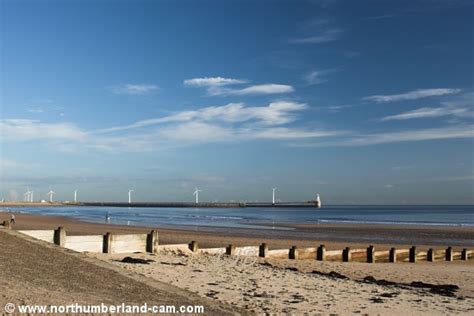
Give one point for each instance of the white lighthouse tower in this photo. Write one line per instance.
(318, 201)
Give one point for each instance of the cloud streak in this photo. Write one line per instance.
(411, 95)
(134, 89)
(234, 122)
(429, 112)
(212, 82)
(218, 86)
(323, 37)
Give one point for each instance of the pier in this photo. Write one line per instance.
(308, 204)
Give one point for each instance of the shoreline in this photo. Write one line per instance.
(334, 236)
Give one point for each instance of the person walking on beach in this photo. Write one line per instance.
(12, 219)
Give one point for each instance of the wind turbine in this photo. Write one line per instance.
(273, 197)
(75, 196)
(130, 196)
(51, 192)
(27, 196)
(196, 193)
(31, 196)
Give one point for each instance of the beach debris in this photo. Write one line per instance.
(376, 300)
(332, 275)
(173, 263)
(439, 289)
(136, 260)
(212, 294)
(390, 295)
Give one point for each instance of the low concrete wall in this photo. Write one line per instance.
(128, 243)
(278, 253)
(85, 243)
(213, 251)
(246, 251)
(46, 235)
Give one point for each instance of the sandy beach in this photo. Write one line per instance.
(301, 287)
(276, 286)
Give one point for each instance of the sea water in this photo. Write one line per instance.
(451, 215)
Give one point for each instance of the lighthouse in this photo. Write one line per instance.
(318, 201)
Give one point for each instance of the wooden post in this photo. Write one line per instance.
(193, 246)
(293, 253)
(107, 244)
(430, 255)
(464, 255)
(230, 250)
(60, 236)
(152, 241)
(321, 253)
(263, 250)
(412, 255)
(392, 255)
(449, 254)
(346, 254)
(371, 254)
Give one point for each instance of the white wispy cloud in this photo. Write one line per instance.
(411, 95)
(134, 89)
(218, 86)
(323, 37)
(315, 77)
(212, 82)
(228, 123)
(414, 135)
(275, 113)
(35, 110)
(430, 112)
(27, 130)
(269, 88)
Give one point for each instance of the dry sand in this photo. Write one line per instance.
(268, 286)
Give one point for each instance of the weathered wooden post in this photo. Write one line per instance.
(371, 254)
(263, 250)
(321, 253)
(60, 236)
(412, 254)
(152, 241)
(346, 254)
(230, 250)
(392, 255)
(293, 253)
(107, 243)
(449, 254)
(430, 255)
(193, 246)
(464, 255)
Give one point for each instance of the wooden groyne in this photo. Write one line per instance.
(117, 243)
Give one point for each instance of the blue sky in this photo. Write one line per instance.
(361, 101)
